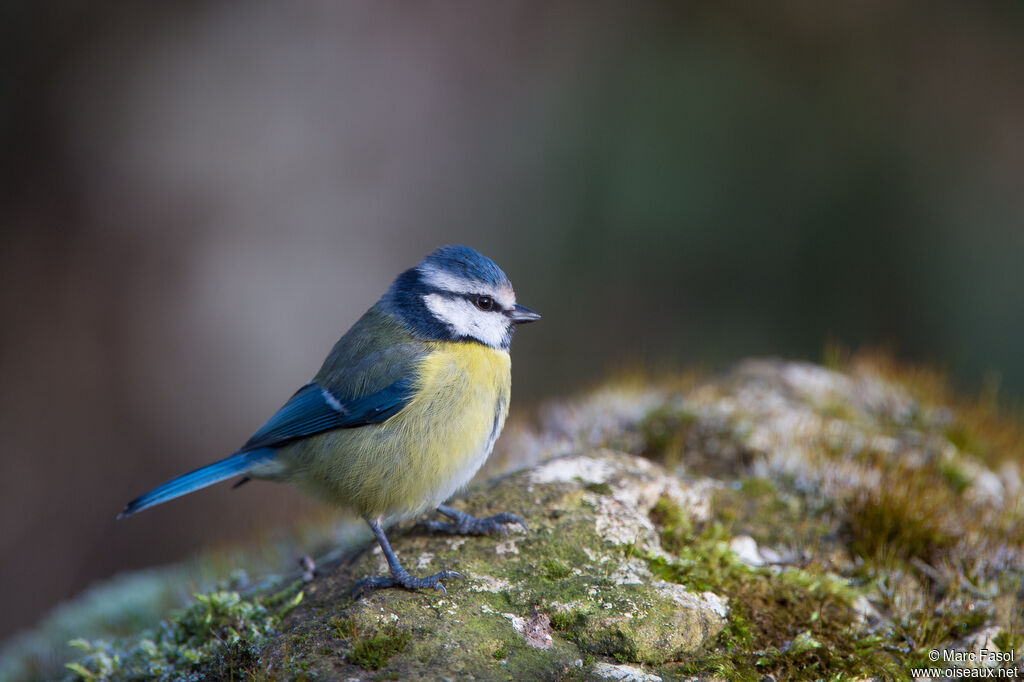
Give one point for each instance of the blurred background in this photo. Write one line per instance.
(199, 197)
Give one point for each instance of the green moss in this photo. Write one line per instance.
(777, 617)
(663, 434)
(553, 581)
(787, 622)
(963, 439)
(773, 515)
(374, 651)
(370, 649)
(567, 620)
(1007, 640)
(554, 569)
(909, 518)
(219, 635)
(499, 654)
(920, 625)
(954, 477)
(342, 628)
(757, 487)
(675, 525)
(837, 410)
(782, 623)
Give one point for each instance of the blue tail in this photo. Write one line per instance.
(234, 465)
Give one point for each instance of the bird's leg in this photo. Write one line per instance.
(464, 524)
(399, 576)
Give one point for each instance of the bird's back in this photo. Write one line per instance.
(374, 353)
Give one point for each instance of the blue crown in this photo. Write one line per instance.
(466, 263)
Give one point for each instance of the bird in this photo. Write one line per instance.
(401, 415)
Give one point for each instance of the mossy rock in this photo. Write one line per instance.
(534, 603)
(782, 520)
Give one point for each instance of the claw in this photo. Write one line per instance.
(464, 524)
(405, 581)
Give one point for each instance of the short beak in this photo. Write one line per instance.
(521, 314)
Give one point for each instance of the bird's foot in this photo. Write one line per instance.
(463, 524)
(406, 581)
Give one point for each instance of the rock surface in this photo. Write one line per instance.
(535, 603)
(781, 518)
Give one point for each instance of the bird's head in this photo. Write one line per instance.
(457, 294)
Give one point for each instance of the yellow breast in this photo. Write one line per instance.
(425, 453)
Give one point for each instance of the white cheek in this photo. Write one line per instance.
(465, 319)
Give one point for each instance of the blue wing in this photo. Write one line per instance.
(366, 378)
(314, 409)
(311, 410)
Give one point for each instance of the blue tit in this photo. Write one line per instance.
(403, 412)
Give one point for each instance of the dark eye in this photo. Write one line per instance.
(485, 303)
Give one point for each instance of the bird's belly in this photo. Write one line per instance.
(417, 459)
